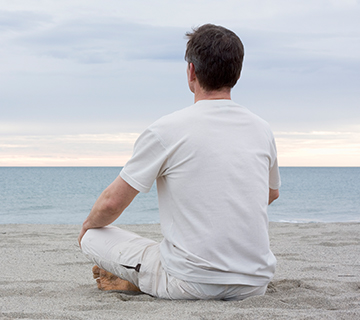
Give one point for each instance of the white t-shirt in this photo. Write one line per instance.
(214, 163)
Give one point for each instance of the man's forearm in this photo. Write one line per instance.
(101, 214)
(109, 206)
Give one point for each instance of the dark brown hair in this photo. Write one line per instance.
(217, 54)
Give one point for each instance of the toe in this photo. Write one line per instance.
(96, 272)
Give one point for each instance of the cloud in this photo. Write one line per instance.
(104, 40)
(81, 66)
(318, 148)
(67, 150)
(17, 21)
(323, 148)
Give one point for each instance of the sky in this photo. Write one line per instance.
(80, 80)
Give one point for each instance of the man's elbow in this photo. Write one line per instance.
(110, 205)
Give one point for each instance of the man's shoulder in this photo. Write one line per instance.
(172, 119)
(256, 118)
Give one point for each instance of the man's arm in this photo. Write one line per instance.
(108, 207)
(273, 195)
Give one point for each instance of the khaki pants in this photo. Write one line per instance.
(137, 260)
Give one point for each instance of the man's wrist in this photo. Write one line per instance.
(86, 225)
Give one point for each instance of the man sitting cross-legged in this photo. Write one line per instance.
(216, 171)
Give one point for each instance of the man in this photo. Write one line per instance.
(216, 169)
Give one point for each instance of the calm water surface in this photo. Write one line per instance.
(66, 195)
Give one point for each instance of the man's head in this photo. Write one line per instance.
(217, 55)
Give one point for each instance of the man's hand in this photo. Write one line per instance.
(109, 206)
(273, 195)
(82, 232)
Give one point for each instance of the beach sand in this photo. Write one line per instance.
(44, 275)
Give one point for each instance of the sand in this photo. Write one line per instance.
(45, 276)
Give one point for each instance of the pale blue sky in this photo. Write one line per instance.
(81, 79)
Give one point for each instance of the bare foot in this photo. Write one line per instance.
(107, 281)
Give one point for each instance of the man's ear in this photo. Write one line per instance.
(192, 75)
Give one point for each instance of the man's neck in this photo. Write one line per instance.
(201, 94)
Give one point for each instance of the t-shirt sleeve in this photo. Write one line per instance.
(146, 162)
(274, 176)
(274, 173)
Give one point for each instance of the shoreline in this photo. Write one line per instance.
(45, 276)
(134, 225)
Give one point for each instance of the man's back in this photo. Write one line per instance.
(213, 184)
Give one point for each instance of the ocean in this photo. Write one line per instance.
(65, 195)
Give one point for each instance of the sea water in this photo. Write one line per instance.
(318, 194)
(65, 195)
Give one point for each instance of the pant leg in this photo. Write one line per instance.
(236, 292)
(117, 251)
(154, 280)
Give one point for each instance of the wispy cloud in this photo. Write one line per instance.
(67, 150)
(322, 148)
(101, 40)
(318, 148)
(12, 22)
